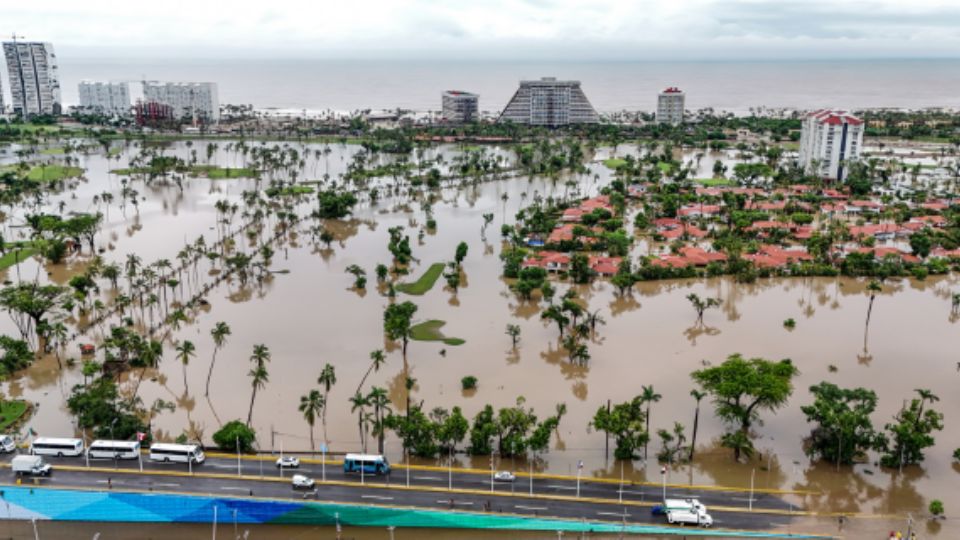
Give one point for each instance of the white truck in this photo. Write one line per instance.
(689, 505)
(32, 465)
(684, 517)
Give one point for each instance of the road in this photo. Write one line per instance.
(554, 496)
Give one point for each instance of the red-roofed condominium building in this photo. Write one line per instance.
(829, 140)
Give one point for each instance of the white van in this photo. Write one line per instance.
(32, 465)
(100, 449)
(7, 444)
(51, 446)
(179, 453)
(684, 517)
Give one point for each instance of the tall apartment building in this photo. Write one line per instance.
(34, 84)
(460, 107)
(109, 98)
(189, 100)
(828, 141)
(670, 104)
(549, 102)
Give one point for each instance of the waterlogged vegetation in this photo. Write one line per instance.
(302, 280)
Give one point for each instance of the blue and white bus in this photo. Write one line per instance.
(369, 463)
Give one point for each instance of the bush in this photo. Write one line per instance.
(469, 382)
(936, 508)
(233, 432)
(956, 454)
(790, 323)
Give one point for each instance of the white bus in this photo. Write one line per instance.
(52, 446)
(114, 449)
(180, 453)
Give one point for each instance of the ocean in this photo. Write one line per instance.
(736, 86)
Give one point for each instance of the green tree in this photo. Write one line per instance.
(648, 396)
(98, 406)
(742, 388)
(232, 433)
(580, 270)
(219, 333)
(185, 351)
(16, 355)
(28, 303)
(513, 330)
(697, 395)
(702, 304)
(843, 429)
(327, 378)
(460, 254)
(397, 321)
(259, 376)
(380, 401)
(482, 432)
(625, 422)
(912, 431)
(311, 406)
(358, 404)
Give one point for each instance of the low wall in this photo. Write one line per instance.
(25, 503)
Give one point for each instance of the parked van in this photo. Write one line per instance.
(7, 444)
(52, 446)
(32, 465)
(684, 517)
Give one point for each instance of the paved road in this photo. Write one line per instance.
(554, 497)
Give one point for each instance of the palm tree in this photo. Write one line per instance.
(648, 396)
(873, 288)
(357, 404)
(185, 350)
(312, 405)
(219, 333)
(378, 360)
(328, 378)
(925, 396)
(258, 374)
(697, 395)
(380, 402)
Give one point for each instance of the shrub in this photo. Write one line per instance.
(789, 323)
(469, 382)
(232, 433)
(956, 454)
(936, 508)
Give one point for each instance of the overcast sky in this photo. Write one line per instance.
(494, 29)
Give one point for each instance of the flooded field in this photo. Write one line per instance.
(308, 314)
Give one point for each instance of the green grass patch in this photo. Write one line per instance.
(53, 173)
(425, 283)
(10, 412)
(614, 163)
(665, 167)
(220, 173)
(430, 331)
(55, 151)
(712, 182)
(288, 191)
(15, 255)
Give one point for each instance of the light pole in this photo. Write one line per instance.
(663, 479)
(492, 456)
(323, 461)
(450, 470)
(753, 473)
(239, 473)
(579, 468)
(621, 480)
(532, 457)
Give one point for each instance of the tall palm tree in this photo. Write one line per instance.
(357, 404)
(925, 396)
(328, 378)
(219, 333)
(873, 288)
(697, 395)
(377, 359)
(648, 396)
(380, 402)
(185, 350)
(312, 405)
(259, 377)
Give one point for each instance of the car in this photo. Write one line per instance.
(300, 481)
(504, 476)
(658, 510)
(288, 462)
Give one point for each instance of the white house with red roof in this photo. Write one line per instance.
(829, 140)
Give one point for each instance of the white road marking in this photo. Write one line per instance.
(168, 485)
(434, 478)
(614, 514)
(378, 497)
(554, 486)
(462, 503)
(221, 466)
(235, 488)
(521, 507)
(631, 492)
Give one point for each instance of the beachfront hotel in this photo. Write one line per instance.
(108, 98)
(828, 141)
(549, 102)
(34, 84)
(197, 101)
(460, 107)
(670, 104)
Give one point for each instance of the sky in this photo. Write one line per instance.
(492, 29)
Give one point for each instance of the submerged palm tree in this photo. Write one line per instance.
(258, 374)
(312, 406)
(219, 333)
(358, 403)
(377, 359)
(697, 395)
(648, 396)
(185, 350)
(328, 378)
(873, 288)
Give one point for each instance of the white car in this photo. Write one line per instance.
(300, 481)
(504, 476)
(288, 462)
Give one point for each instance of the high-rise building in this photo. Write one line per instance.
(670, 104)
(460, 107)
(549, 102)
(189, 100)
(109, 98)
(34, 84)
(828, 141)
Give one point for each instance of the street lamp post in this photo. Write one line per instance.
(450, 470)
(663, 480)
(239, 472)
(621, 480)
(753, 472)
(579, 469)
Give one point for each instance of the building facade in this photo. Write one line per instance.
(460, 107)
(152, 114)
(670, 105)
(549, 102)
(189, 100)
(34, 83)
(109, 98)
(828, 141)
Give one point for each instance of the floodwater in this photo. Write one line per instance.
(309, 315)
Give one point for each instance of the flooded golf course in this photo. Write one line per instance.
(309, 314)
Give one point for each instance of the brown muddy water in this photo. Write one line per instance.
(308, 315)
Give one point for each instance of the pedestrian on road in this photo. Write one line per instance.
(109, 483)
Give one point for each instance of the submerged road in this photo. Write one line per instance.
(429, 487)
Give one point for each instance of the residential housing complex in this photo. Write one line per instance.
(460, 107)
(670, 105)
(197, 101)
(549, 102)
(34, 82)
(108, 98)
(829, 140)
